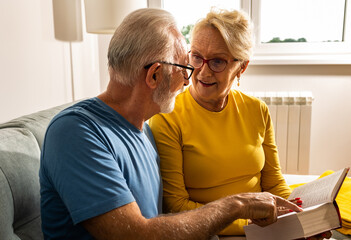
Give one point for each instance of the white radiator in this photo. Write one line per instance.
(291, 115)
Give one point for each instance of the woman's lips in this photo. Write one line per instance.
(207, 84)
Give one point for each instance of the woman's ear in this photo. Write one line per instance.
(153, 75)
(244, 66)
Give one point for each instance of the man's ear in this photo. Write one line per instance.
(153, 75)
(244, 66)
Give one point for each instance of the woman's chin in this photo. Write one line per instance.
(206, 91)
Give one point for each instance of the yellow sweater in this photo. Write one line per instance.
(208, 155)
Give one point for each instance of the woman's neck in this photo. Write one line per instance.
(210, 105)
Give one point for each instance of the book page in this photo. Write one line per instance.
(319, 191)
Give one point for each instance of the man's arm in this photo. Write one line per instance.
(126, 222)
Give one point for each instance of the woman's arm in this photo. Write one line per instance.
(168, 139)
(272, 179)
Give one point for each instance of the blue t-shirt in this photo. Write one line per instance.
(93, 161)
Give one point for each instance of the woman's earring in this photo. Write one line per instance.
(238, 78)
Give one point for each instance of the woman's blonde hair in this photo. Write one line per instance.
(235, 28)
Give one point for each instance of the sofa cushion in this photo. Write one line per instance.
(19, 184)
(36, 122)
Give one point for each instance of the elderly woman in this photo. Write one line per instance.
(217, 141)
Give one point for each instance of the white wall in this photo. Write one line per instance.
(34, 67)
(103, 42)
(331, 108)
(35, 75)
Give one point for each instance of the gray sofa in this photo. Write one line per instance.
(20, 144)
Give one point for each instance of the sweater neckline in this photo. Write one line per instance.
(198, 106)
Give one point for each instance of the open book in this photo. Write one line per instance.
(321, 213)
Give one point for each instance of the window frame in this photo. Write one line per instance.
(332, 53)
(300, 53)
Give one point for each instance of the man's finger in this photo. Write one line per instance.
(285, 203)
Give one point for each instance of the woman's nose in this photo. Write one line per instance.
(205, 70)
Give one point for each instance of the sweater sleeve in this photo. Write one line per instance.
(168, 141)
(272, 179)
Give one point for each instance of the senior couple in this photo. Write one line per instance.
(100, 171)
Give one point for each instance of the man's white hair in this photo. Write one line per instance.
(145, 36)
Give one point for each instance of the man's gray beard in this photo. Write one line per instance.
(164, 98)
(168, 105)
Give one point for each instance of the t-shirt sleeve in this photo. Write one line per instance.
(83, 169)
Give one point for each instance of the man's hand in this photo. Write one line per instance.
(284, 210)
(262, 208)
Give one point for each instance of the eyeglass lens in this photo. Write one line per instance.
(215, 64)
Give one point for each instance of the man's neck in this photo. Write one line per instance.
(133, 103)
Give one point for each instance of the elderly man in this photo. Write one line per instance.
(99, 170)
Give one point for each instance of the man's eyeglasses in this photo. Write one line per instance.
(215, 64)
(186, 70)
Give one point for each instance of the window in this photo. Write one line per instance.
(301, 31)
(192, 10)
(302, 21)
(286, 31)
(189, 11)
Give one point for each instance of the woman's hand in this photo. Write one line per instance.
(321, 236)
(297, 201)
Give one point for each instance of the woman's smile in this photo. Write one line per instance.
(207, 84)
